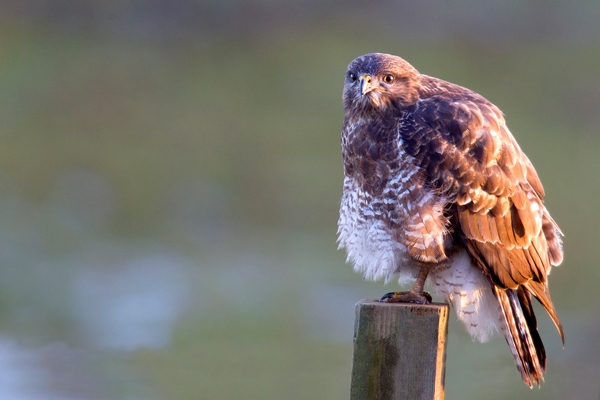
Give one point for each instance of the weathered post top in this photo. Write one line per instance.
(399, 351)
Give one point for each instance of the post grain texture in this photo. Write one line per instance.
(399, 351)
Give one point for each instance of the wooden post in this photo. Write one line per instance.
(399, 351)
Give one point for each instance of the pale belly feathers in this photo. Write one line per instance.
(375, 251)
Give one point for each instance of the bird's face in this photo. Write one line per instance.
(379, 81)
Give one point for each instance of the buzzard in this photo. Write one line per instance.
(437, 190)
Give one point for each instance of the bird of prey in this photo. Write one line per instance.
(437, 190)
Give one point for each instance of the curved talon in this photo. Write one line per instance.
(406, 297)
(427, 296)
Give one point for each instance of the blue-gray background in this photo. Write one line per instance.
(170, 176)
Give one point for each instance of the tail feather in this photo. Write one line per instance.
(521, 333)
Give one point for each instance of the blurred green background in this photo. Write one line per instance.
(170, 175)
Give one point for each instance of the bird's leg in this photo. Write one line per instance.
(414, 295)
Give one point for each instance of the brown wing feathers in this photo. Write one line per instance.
(540, 292)
(518, 262)
(501, 218)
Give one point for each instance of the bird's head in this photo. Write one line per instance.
(379, 81)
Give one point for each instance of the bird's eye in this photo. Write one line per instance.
(388, 78)
(352, 77)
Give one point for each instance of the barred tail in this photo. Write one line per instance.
(521, 333)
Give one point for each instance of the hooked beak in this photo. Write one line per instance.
(365, 85)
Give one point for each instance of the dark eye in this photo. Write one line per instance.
(388, 78)
(352, 77)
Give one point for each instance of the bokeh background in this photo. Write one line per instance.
(170, 176)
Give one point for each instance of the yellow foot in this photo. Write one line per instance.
(406, 297)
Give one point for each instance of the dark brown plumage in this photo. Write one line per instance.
(436, 186)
